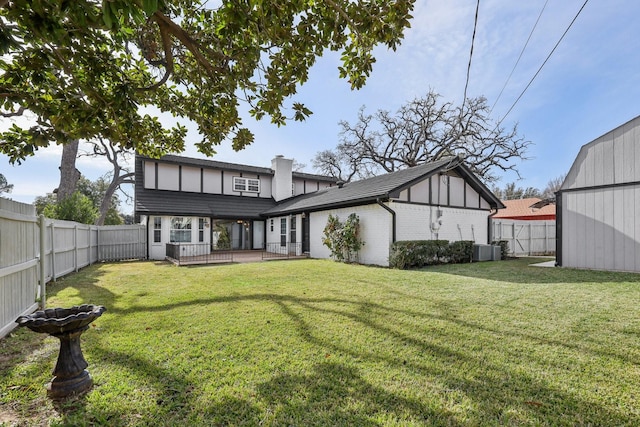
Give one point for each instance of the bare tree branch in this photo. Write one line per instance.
(424, 130)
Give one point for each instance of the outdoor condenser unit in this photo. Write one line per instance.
(482, 252)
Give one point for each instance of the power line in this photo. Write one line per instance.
(520, 56)
(543, 64)
(473, 38)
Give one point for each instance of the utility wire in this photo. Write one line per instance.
(543, 64)
(473, 37)
(519, 57)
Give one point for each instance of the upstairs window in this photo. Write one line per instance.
(246, 185)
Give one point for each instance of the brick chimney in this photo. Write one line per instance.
(281, 186)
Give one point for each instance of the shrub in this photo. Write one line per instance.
(417, 253)
(461, 251)
(343, 240)
(76, 207)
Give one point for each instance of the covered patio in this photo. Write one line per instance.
(188, 254)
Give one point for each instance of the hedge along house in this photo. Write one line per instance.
(206, 205)
(439, 200)
(598, 205)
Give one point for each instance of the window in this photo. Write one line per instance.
(180, 230)
(200, 230)
(157, 229)
(248, 185)
(283, 231)
(293, 229)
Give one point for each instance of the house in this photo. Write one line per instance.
(598, 205)
(204, 203)
(211, 204)
(529, 209)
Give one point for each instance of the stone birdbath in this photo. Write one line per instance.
(66, 324)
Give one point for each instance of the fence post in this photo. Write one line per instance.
(43, 257)
(53, 252)
(75, 247)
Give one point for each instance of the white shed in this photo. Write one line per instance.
(598, 205)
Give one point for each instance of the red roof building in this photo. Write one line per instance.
(522, 209)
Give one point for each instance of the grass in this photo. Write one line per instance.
(315, 342)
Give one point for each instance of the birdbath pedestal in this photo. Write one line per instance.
(66, 324)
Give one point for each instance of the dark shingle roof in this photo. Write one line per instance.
(214, 164)
(379, 187)
(161, 202)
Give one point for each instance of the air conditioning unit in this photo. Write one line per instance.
(497, 253)
(482, 252)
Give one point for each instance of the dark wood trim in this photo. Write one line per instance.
(599, 187)
(156, 177)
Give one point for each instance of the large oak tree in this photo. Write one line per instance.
(423, 130)
(83, 69)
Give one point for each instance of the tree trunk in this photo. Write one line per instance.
(69, 175)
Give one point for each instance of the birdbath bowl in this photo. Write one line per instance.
(66, 324)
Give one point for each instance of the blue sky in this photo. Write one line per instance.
(590, 85)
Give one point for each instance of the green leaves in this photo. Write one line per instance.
(86, 68)
(343, 239)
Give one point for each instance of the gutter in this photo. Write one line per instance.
(393, 219)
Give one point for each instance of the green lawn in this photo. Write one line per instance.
(315, 342)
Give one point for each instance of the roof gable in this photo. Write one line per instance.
(380, 187)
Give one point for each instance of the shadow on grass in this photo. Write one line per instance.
(337, 394)
(330, 396)
(86, 282)
(520, 271)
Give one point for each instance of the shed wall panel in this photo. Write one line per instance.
(601, 229)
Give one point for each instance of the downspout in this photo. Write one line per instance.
(393, 219)
(490, 224)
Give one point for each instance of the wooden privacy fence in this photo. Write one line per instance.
(67, 247)
(526, 237)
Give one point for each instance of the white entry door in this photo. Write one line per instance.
(258, 234)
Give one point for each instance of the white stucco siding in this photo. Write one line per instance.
(191, 179)
(168, 177)
(375, 229)
(601, 229)
(413, 222)
(456, 191)
(472, 198)
(212, 181)
(149, 174)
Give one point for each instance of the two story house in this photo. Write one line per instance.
(213, 205)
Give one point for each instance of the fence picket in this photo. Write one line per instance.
(36, 250)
